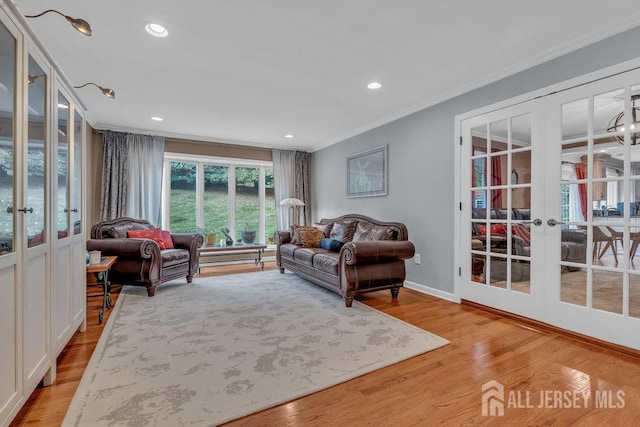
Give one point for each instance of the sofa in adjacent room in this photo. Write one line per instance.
(351, 255)
(145, 258)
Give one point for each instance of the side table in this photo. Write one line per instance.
(101, 275)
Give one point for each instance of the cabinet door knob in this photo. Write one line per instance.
(9, 209)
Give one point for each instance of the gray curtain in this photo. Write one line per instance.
(113, 203)
(146, 157)
(283, 179)
(292, 178)
(302, 186)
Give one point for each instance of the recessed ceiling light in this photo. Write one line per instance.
(374, 85)
(288, 136)
(156, 30)
(157, 119)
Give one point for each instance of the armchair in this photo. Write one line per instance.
(141, 262)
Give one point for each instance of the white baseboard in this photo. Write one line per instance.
(431, 291)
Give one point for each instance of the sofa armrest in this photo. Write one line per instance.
(190, 242)
(125, 248)
(283, 236)
(373, 251)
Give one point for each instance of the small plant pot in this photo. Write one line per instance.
(248, 236)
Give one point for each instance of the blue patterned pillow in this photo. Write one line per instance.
(331, 244)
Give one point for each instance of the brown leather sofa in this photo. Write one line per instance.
(371, 256)
(141, 262)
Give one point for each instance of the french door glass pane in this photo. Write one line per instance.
(7, 162)
(607, 291)
(36, 155)
(573, 286)
(216, 198)
(606, 108)
(76, 206)
(634, 295)
(182, 209)
(574, 119)
(247, 200)
(63, 166)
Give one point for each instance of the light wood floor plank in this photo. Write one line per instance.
(442, 387)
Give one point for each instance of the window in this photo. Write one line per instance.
(209, 193)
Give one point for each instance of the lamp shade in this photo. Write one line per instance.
(291, 202)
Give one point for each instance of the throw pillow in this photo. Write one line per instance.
(324, 227)
(330, 244)
(166, 239)
(295, 235)
(149, 233)
(343, 230)
(372, 232)
(310, 237)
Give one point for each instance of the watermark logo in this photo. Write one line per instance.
(495, 399)
(492, 399)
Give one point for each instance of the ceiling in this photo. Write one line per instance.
(251, 71)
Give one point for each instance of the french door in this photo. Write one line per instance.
(502, 200)
(592, 271)
(551, 209)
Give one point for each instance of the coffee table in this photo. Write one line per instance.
(258, 247)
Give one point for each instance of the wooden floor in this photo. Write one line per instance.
(442, 387)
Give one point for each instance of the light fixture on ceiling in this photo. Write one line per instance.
(109, 93)
(33, 77)
(80, 25)
(374, 85)
(617, 123)
(288, 136)
(157, 118)
(156, 30)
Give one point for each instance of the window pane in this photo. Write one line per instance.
(7, 208)
(36, 160)
(216, 199)
(269, 207)
(247, 200)
(63, 162)
(183, 197)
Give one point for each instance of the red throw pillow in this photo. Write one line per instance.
(166, 238)
(148, 233)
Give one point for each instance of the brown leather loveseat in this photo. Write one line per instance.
(141, 262)
(360, 255)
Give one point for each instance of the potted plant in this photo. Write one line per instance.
(248, 235)
(209, 235)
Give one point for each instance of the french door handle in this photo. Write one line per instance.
(25, 210)
(537, 222)
(552, 222)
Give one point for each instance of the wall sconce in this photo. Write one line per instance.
(109, 93)
(33, 77)
(80, 25)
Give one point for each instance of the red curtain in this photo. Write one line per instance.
(496, 179)
(581, 173)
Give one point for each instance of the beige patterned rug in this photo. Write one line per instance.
(228, 346)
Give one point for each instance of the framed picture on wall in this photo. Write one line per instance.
(367, 173)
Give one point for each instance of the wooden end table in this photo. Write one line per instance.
(101, 275)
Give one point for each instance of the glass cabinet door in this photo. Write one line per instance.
(62, 206)
(76, 205)
(36, 155)
(7, 142)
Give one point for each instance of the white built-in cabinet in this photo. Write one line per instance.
(42, 229)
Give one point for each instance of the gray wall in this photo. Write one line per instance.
(421, 159)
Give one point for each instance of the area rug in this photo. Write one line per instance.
(228, 346)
